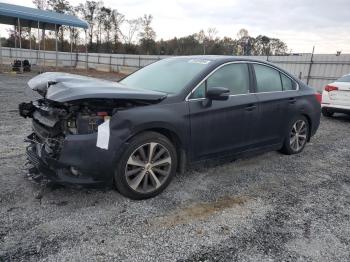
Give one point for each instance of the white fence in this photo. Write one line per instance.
(317, 70)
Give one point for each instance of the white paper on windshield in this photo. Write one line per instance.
(199, 61)
(103, 135)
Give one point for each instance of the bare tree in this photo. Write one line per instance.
(147, 34)
(132, 26)
(60, 6)
(75, 37)
(40, 4)
(200, 37)
(88, 12)
(107, 24)
(99, 20)
(117, 20)
(245, 42)
(205, 38)
(147, 31)
(73, 32)
(242, 33)
(211, 33)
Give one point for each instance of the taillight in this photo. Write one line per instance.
(318, 97)
(329, 88)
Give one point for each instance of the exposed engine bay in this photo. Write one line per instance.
(52, 121)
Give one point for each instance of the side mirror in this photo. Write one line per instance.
(218, 93)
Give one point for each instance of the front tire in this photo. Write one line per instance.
(146, 166)
(297, 136)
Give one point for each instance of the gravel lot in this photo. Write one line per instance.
(268, 207)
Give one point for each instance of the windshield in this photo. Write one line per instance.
(344, 79)
(169, 75)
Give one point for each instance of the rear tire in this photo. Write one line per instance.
(326, 112)
(297, 136)
(146, 166)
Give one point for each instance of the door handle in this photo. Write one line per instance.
(250, 107)
(292, 100)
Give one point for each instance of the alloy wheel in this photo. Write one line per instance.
(148, 167)
(298, 135)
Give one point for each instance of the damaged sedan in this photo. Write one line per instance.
(138, 132)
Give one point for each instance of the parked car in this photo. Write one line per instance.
(137, 133)
(336, 97)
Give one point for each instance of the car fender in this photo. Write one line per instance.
(311, 109)
(127, 123)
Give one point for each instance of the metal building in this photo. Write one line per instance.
(21, 16)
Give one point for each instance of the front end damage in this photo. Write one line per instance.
(64, 144)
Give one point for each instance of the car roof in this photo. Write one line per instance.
(222, 58)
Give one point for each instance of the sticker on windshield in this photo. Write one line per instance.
(199, 61)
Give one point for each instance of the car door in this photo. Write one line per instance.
(223, 126)
(276, 103)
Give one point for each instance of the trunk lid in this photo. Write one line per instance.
(65, 87)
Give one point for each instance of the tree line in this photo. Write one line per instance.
(112, 32)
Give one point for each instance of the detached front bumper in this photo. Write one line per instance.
(79, 161)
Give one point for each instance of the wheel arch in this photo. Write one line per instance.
(308, 118)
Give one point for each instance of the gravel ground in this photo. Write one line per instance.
(270, 207)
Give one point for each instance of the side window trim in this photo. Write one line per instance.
(281, 80)
(252, 79)
(254, 89)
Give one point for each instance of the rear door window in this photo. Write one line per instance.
(267, 79)
(287, 83)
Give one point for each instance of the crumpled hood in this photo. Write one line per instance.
(65, 87)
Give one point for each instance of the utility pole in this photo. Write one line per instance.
(310, 67)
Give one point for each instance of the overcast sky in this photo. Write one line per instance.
(300, 23)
